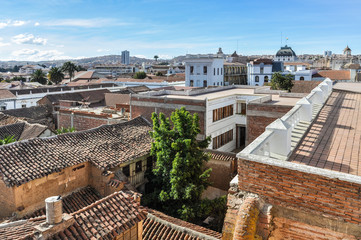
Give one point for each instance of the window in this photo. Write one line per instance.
(205, 70)
(205, 83)
(214, 84)
(191, 83)
(217, 71)
(302, 78)
(138, 166)
(257, 79)
(266, 79)
(214, 71)
(23, 105)
(222, 139)
(221, 71)
(241, 108)
(126, 170)
(223, 112)
(2, 108)
(192, 70)
(261, 70)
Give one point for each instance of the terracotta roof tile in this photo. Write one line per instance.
(105, 147)
(6, 94)
(333, 139)
(161, 226)
(73, 202)
(222, 156)
(334, 74)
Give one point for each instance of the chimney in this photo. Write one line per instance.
(54, 210)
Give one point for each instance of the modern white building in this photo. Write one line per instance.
(299, 70)
(114, 70)
(125, 57)
(285, 54)
(260, 71)
(204, 70)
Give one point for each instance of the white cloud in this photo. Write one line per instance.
(28, 39)
(86, 23)
(12, 23)
(38, 55)
(2, 44)
(140, 56)
(164, 56)
(36, 24)
(103, 50)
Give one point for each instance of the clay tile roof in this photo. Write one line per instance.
(105, 219)
(93, 96)
(161, 226)
(22, 130)
(222, 156)
(7, 119)
(5, 94)
(73, 202)
(105, 147)
(36, 112)
(23, 229)
(334, 74)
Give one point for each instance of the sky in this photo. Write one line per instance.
(35, 30)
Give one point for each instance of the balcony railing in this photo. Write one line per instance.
(137, 179)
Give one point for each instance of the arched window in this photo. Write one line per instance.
(266, 79)
(302, 79)
(191, 83)
(256, 79)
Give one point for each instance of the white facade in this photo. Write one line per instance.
(125, 57)
(204, 71)
(258, 74)
(30, 69)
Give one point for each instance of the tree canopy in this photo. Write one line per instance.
(140, 75)
(69, 68)
(156, 57)
(180, 159)
(7, 140)
(64, 130)
(280, 82)
(55, 75)
(39, 76)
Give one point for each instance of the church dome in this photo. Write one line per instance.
(347, 49)
(234, 54)
(285, 52)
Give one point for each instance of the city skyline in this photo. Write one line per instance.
(35, 31)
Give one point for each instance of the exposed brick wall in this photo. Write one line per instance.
(83, 121)
(262, 115)
(310, 193)
(146, 111)
(221, 174)
(288, 229)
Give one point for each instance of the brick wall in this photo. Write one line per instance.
(259, 116)
(222, 173)
(285, 228)
(146, 106)
(83, 121)
(333, 199)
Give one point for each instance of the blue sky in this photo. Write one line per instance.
(53, 29)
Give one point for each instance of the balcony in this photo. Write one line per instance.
(137, 179)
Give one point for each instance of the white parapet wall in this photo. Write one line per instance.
(275, 142)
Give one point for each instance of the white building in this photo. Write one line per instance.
(299, 70)
(204, 70)
(285, 54)
(30, 69)
(114, 70)
(260, 71)
(125, 57)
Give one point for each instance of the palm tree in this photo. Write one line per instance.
(55, 75)
(69, 68)
(39, 76)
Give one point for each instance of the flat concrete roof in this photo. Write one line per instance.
(348, 86)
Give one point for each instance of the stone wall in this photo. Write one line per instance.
(315, 200)
(259, 116)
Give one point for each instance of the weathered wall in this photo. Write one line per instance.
(145, 106)
(288, 229)
(222, 173)
(31, 195)
(259, 116)
(313, 199)
(82, 121)
(7, 200)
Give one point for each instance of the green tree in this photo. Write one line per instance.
(179, 170)
(55, 75)
(64, 130)
(140, 75)
(7, 140)
(69, 68)
(280, 82)
(156, 57)
(39, 76)
(159, 74)
(18, 78)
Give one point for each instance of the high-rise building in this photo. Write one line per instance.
(125, 57)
